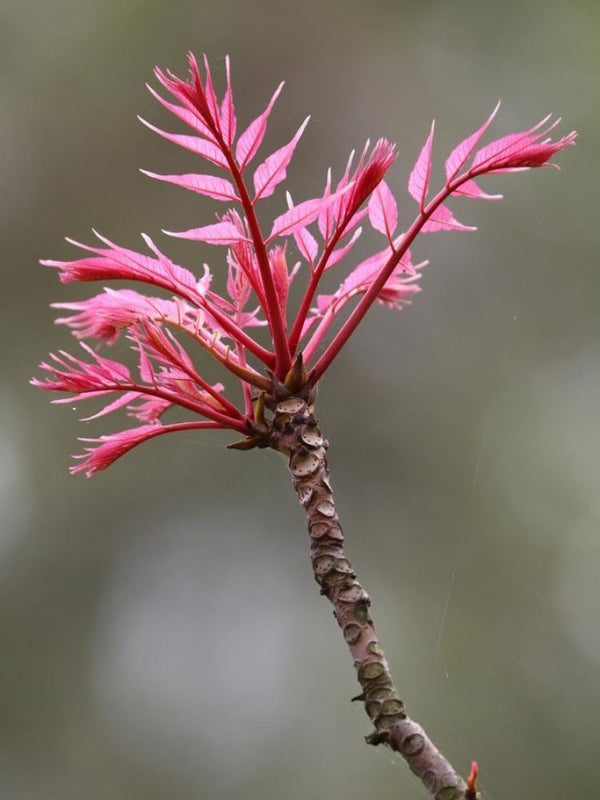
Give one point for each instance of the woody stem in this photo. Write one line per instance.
(296, 434)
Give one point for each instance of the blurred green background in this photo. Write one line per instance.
(161, 634)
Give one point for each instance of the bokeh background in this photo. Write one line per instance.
(160, 632)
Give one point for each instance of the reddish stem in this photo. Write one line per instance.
(226, 404)
(245, 385)
(313, 284)
(239, 367)
(224, 421)
(238, 334)
(283, 357)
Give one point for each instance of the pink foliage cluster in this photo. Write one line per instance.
(320, 231)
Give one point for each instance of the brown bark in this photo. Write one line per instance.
(294, 431)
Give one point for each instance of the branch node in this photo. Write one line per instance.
(377, 737)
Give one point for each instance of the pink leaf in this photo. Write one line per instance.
(369, 173)
(190, 93)
(227, 116)
(114, 262)
(121, 401)
(107, 314)
(442, 219)
(208, 185)
(463, 151)
(221, 233)
(71, 374)
(273, 169)
(521, 150)
(325, 219)
(303, 214)
(201, 147)
(471, 189)
(307, 244)
(333, 215)
(145, 365)
(383, 211)
(506, 144)
(395, 292)
(149, 409)
(114, 446)
(211, 97)
(355, 220)
(281, 275)
(364, 273)
(186, 115)
(418, 182)
(251, 139)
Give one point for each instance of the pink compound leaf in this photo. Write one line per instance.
(251, 139)
(113, 446)
(505, 145)
(104, 316)
(72, 374)
(273, 169)
(522, 150)
(115, 262)
(208, 185)
(463, 151)
(418, 182)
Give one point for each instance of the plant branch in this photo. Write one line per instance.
(313, 285)
(294, 431)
